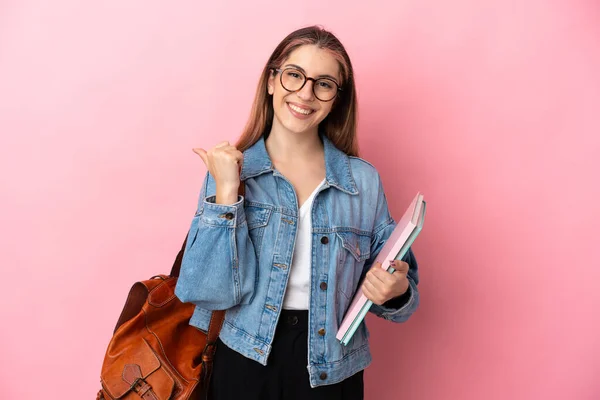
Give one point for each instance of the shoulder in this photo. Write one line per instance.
(372, 194)
(364, 173)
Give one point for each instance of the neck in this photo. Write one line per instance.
(285, 146)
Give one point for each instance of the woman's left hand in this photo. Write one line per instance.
(380, 286)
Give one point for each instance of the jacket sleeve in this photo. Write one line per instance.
(219, 265)
(400, 308)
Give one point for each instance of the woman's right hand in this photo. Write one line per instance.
(224, 163)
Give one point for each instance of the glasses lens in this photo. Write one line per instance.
(325, 89)
(292, 79)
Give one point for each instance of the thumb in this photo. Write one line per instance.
(202, 154)
(400, 266)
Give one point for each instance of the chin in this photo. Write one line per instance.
(298, 126)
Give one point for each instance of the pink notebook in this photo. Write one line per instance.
(396, 243)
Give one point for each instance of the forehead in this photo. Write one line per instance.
(315, 61)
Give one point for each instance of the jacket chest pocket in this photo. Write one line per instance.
(257, 219)
(354, 249)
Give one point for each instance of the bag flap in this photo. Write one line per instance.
(138, 294)
(138, 361)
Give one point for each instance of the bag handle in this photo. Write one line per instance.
(177, 264)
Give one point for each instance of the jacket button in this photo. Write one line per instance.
(323, 285)
(229, 216)
(324, 240)
(323, 376)
(322, 332)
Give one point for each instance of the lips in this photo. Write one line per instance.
(300, 111)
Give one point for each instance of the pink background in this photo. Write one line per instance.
(488, 107)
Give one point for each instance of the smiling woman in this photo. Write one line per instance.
(282, 260)
(296, 104)
(315, 53)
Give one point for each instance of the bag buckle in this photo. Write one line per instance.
(140, 386)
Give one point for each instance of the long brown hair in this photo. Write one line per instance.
(340, 125)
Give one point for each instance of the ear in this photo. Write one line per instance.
(271, 83)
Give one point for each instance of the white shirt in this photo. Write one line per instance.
(298, 287)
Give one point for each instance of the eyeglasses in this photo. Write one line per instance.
(293, 80)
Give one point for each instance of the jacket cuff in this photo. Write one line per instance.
(398, 302)
(230, 215)
(398, 305)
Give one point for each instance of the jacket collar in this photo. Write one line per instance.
(337, 165)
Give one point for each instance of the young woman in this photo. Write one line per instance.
(286, 258)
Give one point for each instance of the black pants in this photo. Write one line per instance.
(285, 376)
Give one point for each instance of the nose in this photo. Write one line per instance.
(306, 93)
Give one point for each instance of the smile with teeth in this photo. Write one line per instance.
(300, 110)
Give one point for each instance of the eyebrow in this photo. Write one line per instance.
(320, 76)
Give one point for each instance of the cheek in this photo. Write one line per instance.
(325, 110)
(279, 97)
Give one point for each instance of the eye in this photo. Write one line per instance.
(294, 74)
(325, 85)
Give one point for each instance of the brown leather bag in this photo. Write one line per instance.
(154, 353)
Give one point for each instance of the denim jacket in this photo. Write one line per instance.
(237, 258)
